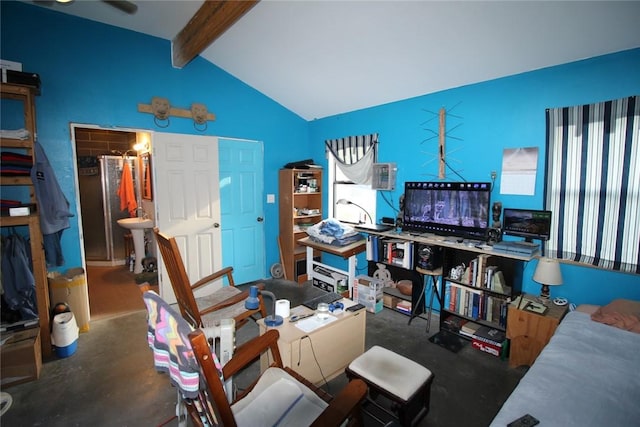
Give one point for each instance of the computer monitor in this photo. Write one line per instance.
(528, 223)
(447, 208)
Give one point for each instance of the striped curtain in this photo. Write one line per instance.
(593, 184)
(355, 156)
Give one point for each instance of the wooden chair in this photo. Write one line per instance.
(279, 392)
(225, 303)
(184, 354)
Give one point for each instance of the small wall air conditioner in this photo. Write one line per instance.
(384, 176)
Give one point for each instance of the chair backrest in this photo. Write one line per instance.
(214, 381)
(178, 277)
(274, 399)
(168, 337)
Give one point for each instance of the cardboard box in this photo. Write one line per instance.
(389, 301)
(20, 357)
(373, 306)
(369, 293)
(369, 286)
(71, 287)
(329, 279)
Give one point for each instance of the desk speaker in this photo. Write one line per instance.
(429, 257)
(494, 235)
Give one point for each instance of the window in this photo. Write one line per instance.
(351, 162)
(360, 195)
(593, 184)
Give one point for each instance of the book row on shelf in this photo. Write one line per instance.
(404, 306)
(476, 304)
(390, 251)
(481, 275)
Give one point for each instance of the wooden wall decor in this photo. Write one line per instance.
(174, 112)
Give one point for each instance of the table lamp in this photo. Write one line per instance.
(253, 303)
(548, 274)
(349, 202)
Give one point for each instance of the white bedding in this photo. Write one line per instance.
(588, 375)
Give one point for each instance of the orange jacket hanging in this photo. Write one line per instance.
(126, 193)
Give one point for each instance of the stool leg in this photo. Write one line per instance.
(433, 293)
(420, 298)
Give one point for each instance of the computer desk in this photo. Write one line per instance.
(347, 252)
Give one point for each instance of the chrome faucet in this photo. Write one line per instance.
(141, 213)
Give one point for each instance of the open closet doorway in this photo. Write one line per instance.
(101, 155)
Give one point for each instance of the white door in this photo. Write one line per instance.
(188, 204)
(241, 192)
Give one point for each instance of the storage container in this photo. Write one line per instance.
(64, 336)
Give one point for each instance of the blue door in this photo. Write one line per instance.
(241, 195)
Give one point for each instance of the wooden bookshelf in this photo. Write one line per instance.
(300, 207)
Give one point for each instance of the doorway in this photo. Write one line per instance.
(100, 156)
(210, 194)
(242, 190)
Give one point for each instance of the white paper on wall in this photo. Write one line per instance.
(519, 167)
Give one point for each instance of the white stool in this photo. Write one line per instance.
(402, 381)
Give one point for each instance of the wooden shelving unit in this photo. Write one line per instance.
(481, 304)
(26, 95)
(300, 207)
(485, 303)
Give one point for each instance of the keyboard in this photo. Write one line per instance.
(329, 297)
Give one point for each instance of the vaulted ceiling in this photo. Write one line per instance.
(321, 58)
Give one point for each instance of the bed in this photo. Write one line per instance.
(588, 375)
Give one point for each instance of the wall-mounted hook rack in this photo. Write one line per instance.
(174, 112)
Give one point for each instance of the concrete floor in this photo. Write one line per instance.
(111, 381)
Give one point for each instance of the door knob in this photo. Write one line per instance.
(260, 219)
(216, 225)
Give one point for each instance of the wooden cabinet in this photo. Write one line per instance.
(300, 207)
(529, 332)
(24, 97)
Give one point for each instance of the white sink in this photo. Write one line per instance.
(137, 227)
(135, 223)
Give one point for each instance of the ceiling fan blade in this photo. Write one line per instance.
(123, 5)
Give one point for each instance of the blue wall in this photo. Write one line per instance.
(97, 74)
(489, 117)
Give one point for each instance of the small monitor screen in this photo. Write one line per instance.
(527, 223)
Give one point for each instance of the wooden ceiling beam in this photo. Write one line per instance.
(210, 21)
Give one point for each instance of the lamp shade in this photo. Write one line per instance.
(548, 272)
